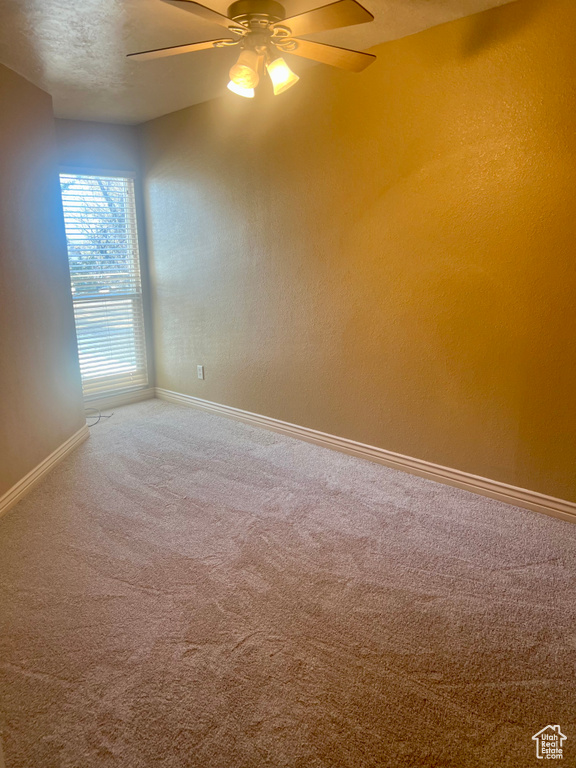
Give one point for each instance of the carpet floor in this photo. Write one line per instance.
(188, 591)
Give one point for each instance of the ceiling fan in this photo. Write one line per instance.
(263, 32)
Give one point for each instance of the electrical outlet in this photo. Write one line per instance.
(200, 369)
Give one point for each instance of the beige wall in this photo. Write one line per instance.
(40, 391)
(85, 145)
(387, 257)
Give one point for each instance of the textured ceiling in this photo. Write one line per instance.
(76, 50)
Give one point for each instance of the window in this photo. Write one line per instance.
(100, 218)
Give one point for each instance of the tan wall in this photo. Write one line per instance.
(387, 257)
(40, 391)
(100, 146)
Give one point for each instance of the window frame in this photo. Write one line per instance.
(130, 393)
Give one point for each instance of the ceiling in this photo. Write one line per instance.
(75, 49)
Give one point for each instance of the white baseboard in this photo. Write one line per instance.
(25, 485)
(123, 398)
(510, 494)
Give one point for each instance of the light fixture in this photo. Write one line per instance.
(281, 75)
(263, 33)
(248, 93)
(245, 72)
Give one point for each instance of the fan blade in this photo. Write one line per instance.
(205, 13)
(355, 61)
(174, 50)
(343, 13)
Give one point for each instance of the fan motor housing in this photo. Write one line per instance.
(263, 12)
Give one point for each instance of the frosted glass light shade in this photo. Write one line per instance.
(245, 72)
(248, 93)
(281, 75)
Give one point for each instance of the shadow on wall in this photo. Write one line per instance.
(487, 29)
(481, 32)
(547, 416)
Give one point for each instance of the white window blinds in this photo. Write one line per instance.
(100, 218)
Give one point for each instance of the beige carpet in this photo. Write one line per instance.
(188, 591)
